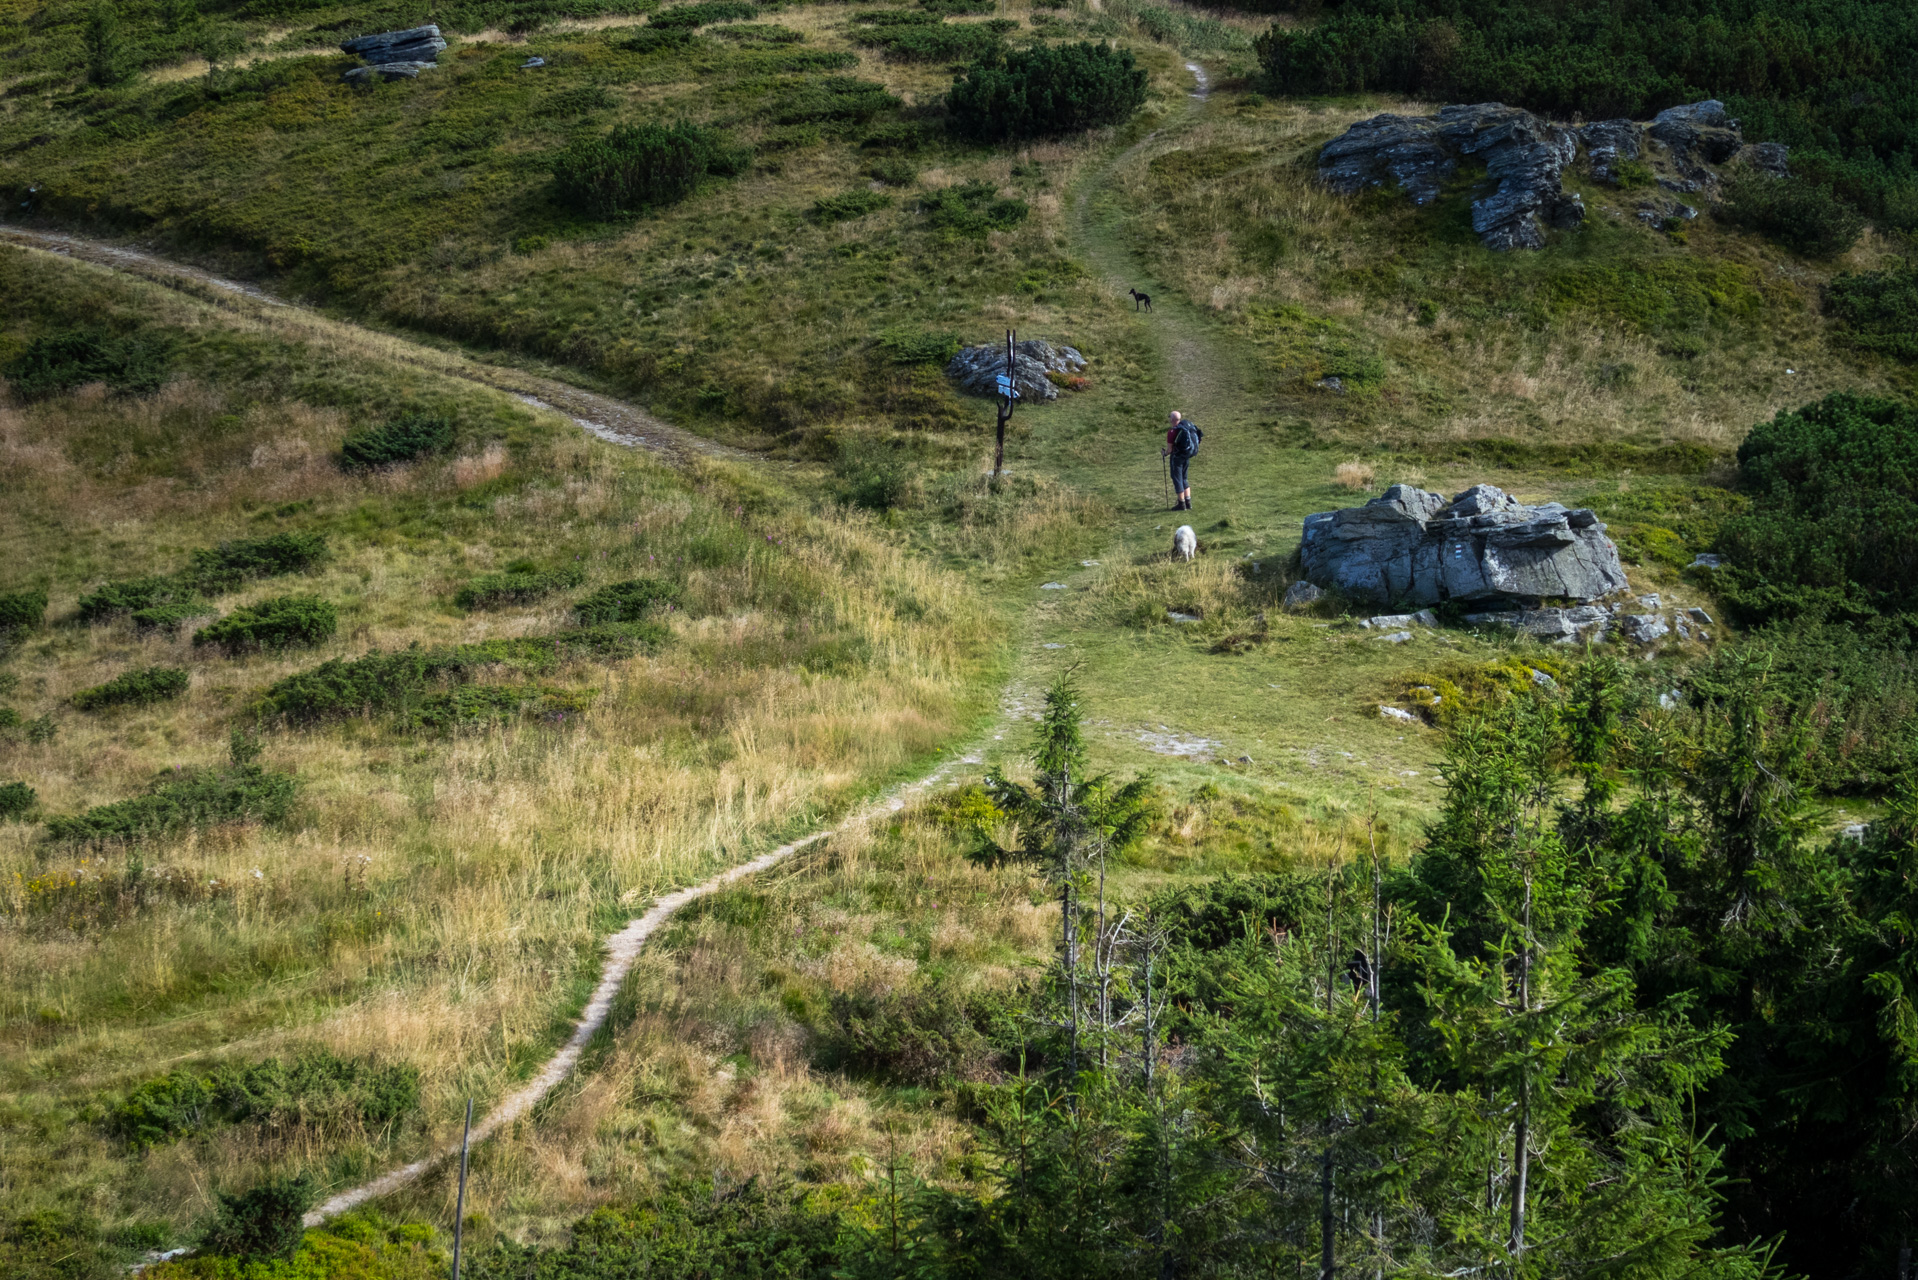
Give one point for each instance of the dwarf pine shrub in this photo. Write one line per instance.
(315, 1087)
(1798, 213)
(138, 687)
(1046, 91)
(707, 11)
(22, 609)
(401, 439)
(627, 601)
(279, 623)
(172, 616)
(133, 364)
(848, 205)
(228, 565)
(1878, 310)
(16, 800)
(517, 585)
(971, 209)
(126, 595)
(637, 167)
(181, 798)
(263, 1222)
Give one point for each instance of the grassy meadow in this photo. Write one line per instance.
(853, 600)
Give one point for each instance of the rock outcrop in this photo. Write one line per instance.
(1413, 547)
(1525, 158)
(977, 369)
(395, 54)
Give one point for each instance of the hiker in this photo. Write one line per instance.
(1181, 442)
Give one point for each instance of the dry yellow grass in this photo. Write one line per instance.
(1353, 475)
(437, 900)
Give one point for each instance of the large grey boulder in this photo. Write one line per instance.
(416, 44)
(977, 369)
(1523, 157)
(1412, 547)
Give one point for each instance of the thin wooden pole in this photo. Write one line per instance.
(459, 1208)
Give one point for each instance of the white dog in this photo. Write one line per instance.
(1185, 543)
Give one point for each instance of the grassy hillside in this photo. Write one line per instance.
(364, 876)
(434, 897)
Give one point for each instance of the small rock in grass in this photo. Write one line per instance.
(1397, 637)
(1855, 832)
(1541, 679)
(1053, 586)
(1671, 700)
(1699, 616)
(1398, 713)
(1706, 562)
(1301, 595)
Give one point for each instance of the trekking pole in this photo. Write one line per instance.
(1165, 461)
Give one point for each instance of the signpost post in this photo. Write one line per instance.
(1009, 396)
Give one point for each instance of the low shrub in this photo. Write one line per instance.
(392, 683)
(654, 39)
(627, 601)
(894, 173)
(517, 585)
(402, 439)
(170, 617)
(181, 798)
(953, 8)
(232, 563)
(636, 167)
(933, 41)
(760, 33)
(1796, 212)
(1046, 91)
(22, 609)
(316, 1087)
(133, 364)
(1878, 310)
(926, 1036)
(830, 100)
(477, 705)
(1831, 530)
(848, 205)
(16, 800)
(609, 640)
(581, 100)
(138, 687)
(128, 594)
(707, 11)
(971, 210)
(264, 1222)
(279, 623)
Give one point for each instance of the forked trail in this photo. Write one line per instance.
(1181, 339)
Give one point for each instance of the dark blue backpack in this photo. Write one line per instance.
(1190, 437)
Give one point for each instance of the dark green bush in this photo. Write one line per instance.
(175, 1105)
(581, 100)
(1878, 310)
(830, 100)
(230, 564)
(16, 799)
(401, 439)
(848, 205)
(1804, 216)
(181, 798)
(1832, 526)
(660, 39)
(894, 173)
(760, 33)
(1047, 91)
(636, 167)
(127, 595)
(134, 364)
(516, 586)
(933, 41)
(279, 623)
(170, 617)
(263, 1222)
(137, 687)
(926, 1036)
(393, 683)
(707, 11)
(476, 705)
(22, 609)
(971, 209)
(956, 7)
(607, 640)
(627, 601)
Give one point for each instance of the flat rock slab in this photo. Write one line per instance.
(1411, 547)
(416, 44)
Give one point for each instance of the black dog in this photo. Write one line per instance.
(1140, 299)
